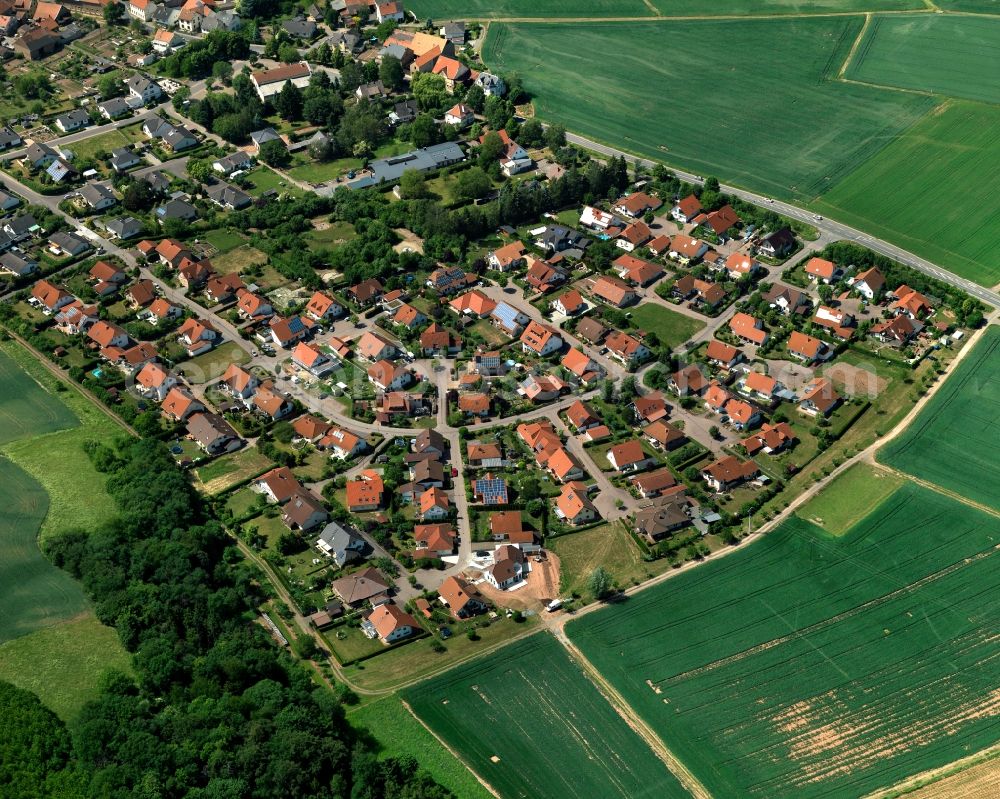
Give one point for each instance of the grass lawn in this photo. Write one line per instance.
(223, 240)
(211, 365)
(241, 503)
(953, 440)
(399, 734)
(808, 666)
(107, 141)
(488, 332)
(265, 179)
(944, 210)
(669, 326)
(225, 472)
(946, 55)
(705, 122)
(63, 664)
(531, 724)
(349, 643)
(609, 546)
(335, 233)
(417, 659)
(309, 171)
(849, 498)
(238, 259)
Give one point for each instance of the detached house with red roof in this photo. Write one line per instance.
(822, 271)
(322, 306)
(686, 209)
(629, 456)
(508, 257)
(770, 439)
(462, 598)
(870, 284)
(613, 291)
(625, 348)
(197, 336)
(311, 358)
(636, 204)
(389, 624)
(911, 303)
(585, 368)
(154, 382)
(819, 398)
(540, 339)
(365, 493)
(748, 329)
(569, 304)
(636, 270)
(729, 472)
(573, 506)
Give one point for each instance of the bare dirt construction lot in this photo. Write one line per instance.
(542, 587)
(855, 381)
(411, 242)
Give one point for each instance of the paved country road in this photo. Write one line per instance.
(830, 228)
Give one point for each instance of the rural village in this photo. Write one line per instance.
(446, 375)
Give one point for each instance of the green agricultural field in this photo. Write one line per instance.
(531, 724)
(399, 734)
(953, 440)
(753, 101)
(601, 9)
(849, 498)
(950, 55)
(63, 663)
(47, 486)
(804, 666)
(671, 327)
(931, 191)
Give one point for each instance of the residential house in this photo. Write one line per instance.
(508, 568)
(140, 294)
(660, 521)
(222, 289)
(75, 318)
(322, 307)
(543, 276)
(822, 270)
(107, 334)
(898, 330)
(239, 382)
(373, 347)
(459, 115)
(387, 376)
(462, 598)
(650, 407)
(269, 402)
(143, 89)
(656, 484)
(540, 339)
(390, 624)
(361, 587)
(17, 265)
(197, 336)
(434, 505)
(430, 443)
(581, 416)
(910, 302)
(777, 244)
(728, 472)
(175, 209)
(508, 319)
(489, 490)
(474, 304)
(591, 330)
(38, 155)
(837, 323)
(124, 227)
(808, 349)
(508, 257)
(234, 162)
(542, 388)
(49, 297)
(287, 331)
(365, 493)
(484, 456)
(770, 439)
(490, 364)
(629, 456)
(96, 196)
(366, 293)
(508, 526)
(77, 119)
(559, 238)
(723, 355)
(342, 546)
(636, 204)
(688, 380)
(819, 397)
(626, 349)
(686, 209)
(213, 433)
(304, 511)
(179, 403)
(252, 306)
(870, 284)
(748, 329)
(686, 249)
(573, 506)
(342, 444)
(269, 82)
(787, 299)
(739, 265)
(229, 197)
(569, 304)
(760, 386)
(636, 270)
(663, 435)
(154, 382)
(586, 369)
(312, 359)
(635, 235)
(475, 404)
(613, 291)
(434, 540)
(722, 221)
(439, 341)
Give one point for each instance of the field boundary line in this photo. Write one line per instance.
(628, 714)
(937, 488)
(855, 46)
(927, 778)
(713, 17)
(451, 751)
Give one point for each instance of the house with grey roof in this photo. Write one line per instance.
(340, 544)
(264, 135)
(20, 227)
(233, 162)
(59, 170)
(426, 159)
(222, 20)
(77, 119)
(39, 155)
(228, 197)
(17, 265)
(115, 108)
(300, 28)
(124, 227)
(8, 201)
(96, 196)
(176, 209)
(68, 243)
(144, 89)
(8, 139)
(492, 85)
(124, 158)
